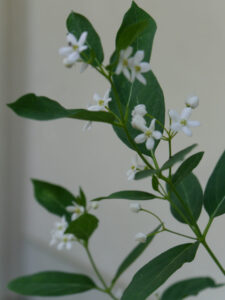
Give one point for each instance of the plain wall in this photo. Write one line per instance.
(188, 58)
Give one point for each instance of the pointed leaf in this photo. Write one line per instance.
(51, 283)
(77, 24)
(134, 254)
(129, 33)
(53, 197)
(177, 157)
(187, 167)
(214, 196)
(42, 109)
(83, 227)
(128, 195)
(145, 173)
(81, 200)
(191, 192)
(157, 271)
(188, 287)
(132, 94)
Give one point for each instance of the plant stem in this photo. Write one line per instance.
(154, 215)
(106, 290)
(180, 234)
(204, 243)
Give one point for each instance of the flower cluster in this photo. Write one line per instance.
(181, 122)
(132, 67)
(72, 52)
(58, 235)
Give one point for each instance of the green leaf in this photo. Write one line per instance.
(155, 183)
(191, 192)
(77, 24)
(134, 254)
(51, 283)
(177, 157)
(157, 271)
(132, 94)
(187, 167)
(128, 195)
(214, 196)
(129, 34)
(83, 227)
(81, 200)
(42, 109)
(53, 197)
(145, 173)
(188, 287)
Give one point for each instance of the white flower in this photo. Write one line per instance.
(65, 241)
(139, 110)
(140, 237)
(181, 122)
(60, 227)
(123, 65)
(135, 207)
(101, 103)
(76, 210)
(93, 205)
(149, 136)
(138, 122)
(135, 167)
(192, 102)
(74, 48)
(137, 67)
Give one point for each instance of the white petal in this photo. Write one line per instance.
(74, 216)
(138, 122)
(119, 68)
(139, 55)
(186, 130)
(133, 75)
(73, 57)
(71, 39)
(82, 48)
(70, 209)
(152, 125)
(157, 134)
(192, 101)
(60, 246)
(145, 67)
(139, 109)
(82, 38)
(96, 97)
(130, 174)
(64, 51)
(186, 113)
(68, 63)
(193, 123)
(95, 108)
(127, 52)
(175, 126)
(174, 115)
(141, 78)
(141, 138)
(106, 96)
(126, 73)
(150, 143)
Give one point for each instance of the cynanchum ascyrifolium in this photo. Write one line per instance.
(133, 104)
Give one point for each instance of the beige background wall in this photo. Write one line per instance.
(187, 58)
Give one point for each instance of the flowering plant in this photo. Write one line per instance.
(134, 106)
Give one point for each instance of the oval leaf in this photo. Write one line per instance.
(42, 109)
(177, 157)
(145, 173)
(77, 24)
(134, 254)
(128, 195)
(214, 196)
(53, 197)
(188, 287)
(191, 192)
(83, 227)
(49, 283)
(157, 271)
(187, 167)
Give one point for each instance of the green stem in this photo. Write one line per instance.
(180, 234)
(207, 227)
(154, 215)
(170, 155)
(213, 256)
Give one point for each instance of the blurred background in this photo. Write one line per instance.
(188, 58)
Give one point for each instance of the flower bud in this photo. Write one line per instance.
(138, 122)
(140, 110)
(140, 237)
(135, 207)
(192, 102)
